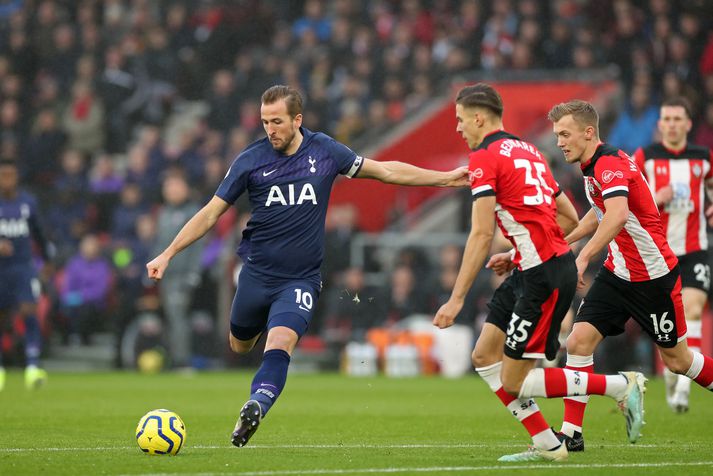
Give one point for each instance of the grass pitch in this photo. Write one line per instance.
(84, 424)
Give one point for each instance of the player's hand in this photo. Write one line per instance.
(446, 315)
(6, 248)
(501, 263)
(582, 265)
(664, 195)
(457, 177)
(157, 266)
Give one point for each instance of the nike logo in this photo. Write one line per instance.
(265, 174)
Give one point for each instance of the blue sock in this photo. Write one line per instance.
(33, 340)
(270, 378)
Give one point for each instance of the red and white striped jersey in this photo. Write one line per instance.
(685, 171)
(640, 251)
(518, 176)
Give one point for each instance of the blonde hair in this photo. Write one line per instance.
(582, 112)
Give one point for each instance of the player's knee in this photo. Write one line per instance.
(577, 345)
(282, 338)
(239, 346)
(480, 359)
(693, 312)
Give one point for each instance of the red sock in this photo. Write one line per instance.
(530, 417)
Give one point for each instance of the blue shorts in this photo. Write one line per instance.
(19, 285)
(262, 302)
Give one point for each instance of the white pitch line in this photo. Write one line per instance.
(453, 469)
(333, 446)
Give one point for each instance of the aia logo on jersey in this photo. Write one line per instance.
(608, 175)
(475, 174)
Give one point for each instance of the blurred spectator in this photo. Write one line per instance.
(352, 308)
(636, 124)
(105, 184)
(314, 20)
(83, 119)
(181, 279)
(404, 297)
(223, 102)
(86, 284)
(341, 226)
(118, 88)
(126, 213)
(40, 164)
(704, 131)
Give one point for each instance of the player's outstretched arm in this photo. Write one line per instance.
(194, 229)
(401, 173)
(567, 217)
(586, 226)
(474, 255)
(612, 222)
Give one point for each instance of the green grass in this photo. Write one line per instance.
(83, 424)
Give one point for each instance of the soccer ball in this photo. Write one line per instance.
(161, 432)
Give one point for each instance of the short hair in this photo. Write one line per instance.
(679, 101)
(583, 113)
(481, 95)
(292, 97)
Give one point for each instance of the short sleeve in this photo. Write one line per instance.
(550, 180)
(709, 175)
(613, 172)
(482, 172)
(235, 181)
(639, 158)
(348, 162)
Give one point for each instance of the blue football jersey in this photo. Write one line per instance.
(19, 223)
(289, 197)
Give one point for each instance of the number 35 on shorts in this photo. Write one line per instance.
(518, 331)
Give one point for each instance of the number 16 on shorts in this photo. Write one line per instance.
(662, 327)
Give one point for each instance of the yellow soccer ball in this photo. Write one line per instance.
(161, 432)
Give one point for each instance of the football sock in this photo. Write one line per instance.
(574, 406)
(568, 383)
(270, 378)
(526, 411)
(33, 339)
(693, 338)
(701, 370)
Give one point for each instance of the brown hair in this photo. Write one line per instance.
(678, 101)
(481, 95)
(582, 112)
(292, 98)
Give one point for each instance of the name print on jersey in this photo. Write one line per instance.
(508, 145)
(276, 195)
(14, 227)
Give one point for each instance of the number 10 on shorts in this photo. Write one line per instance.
(304, 299)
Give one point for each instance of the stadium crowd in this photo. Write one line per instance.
(124, 116)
